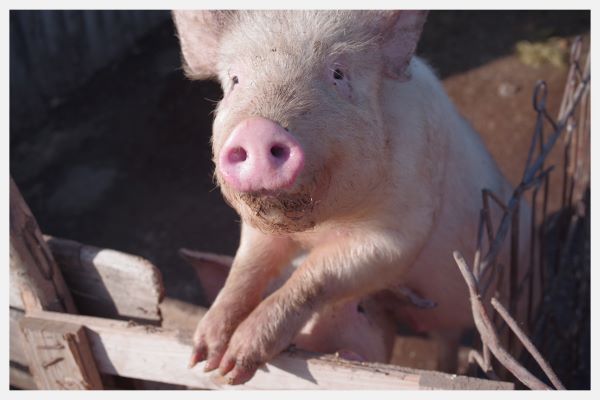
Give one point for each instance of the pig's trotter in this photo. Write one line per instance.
(266, 332)
(238, 371)
(240, 368)
(198, 355)
(241, 373)
(212, 352)
(244, 355)
(212, 336)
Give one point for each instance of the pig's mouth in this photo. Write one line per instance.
(281, 211)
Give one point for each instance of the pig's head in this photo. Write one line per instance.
(298, 137)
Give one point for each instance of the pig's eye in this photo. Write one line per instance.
(232, 82)
(338, 74)
(340, 81)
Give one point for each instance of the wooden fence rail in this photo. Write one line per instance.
(153, 353)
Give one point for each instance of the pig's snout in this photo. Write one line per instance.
(260, 155)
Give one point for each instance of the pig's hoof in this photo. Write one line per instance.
(211, 353)
(198, 355)
(242, 372)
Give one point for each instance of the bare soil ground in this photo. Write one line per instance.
(125, 163)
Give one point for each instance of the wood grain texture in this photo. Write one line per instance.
(152, 353)
(109, 283)
(16, 351)
(33, 270)
(59, 355)
(21, 378)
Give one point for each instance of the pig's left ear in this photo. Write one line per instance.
(200, 34)
(400, 32)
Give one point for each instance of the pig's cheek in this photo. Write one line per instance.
(344, 90)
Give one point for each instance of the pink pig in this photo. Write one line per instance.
(335, 141)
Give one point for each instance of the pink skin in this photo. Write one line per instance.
(260, 155)
(340, 124)
(357, 330)
(386, 184)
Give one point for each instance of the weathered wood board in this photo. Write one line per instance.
(21, 378)
(34, 275)
(152, 353)
(109, 283)
(59, 354)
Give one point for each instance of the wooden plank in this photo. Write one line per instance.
(16, 351)
(32, 267)
(59, 355)
(177, 314)
(109, 283)
(14, 295)
(157, 354)
(21, 378)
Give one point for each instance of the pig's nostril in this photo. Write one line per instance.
(237, 155)
(280, 152)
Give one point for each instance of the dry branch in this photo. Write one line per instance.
(488, 333)
(527, 343)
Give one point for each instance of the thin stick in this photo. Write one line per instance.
(494, 196)
(509, 210)
(514, 267)
(528, 345)
(487, 217)
(541, 234)
(477, 258)
(488, 335)
(484, 364)
(532, 261)
(486, 356)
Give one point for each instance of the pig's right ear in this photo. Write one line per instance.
(400, 33)
(200, 34)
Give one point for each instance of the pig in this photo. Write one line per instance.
(334, 141)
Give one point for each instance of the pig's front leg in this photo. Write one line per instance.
(258, 259)
(335, 271)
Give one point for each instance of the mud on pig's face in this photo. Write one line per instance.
(298, 137)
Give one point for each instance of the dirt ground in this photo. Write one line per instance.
(125, 163)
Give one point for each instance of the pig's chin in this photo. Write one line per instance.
(279, 212)
(275, 212)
